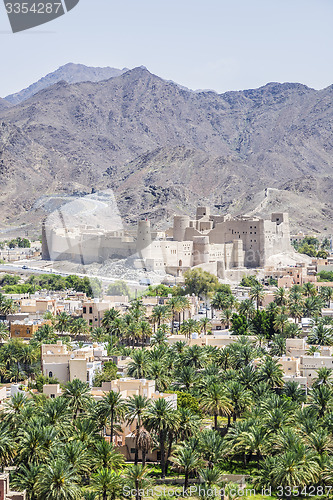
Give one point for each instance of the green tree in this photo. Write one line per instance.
(111, 408)
(56, 481)
(118, 288)
(187, 460)
(159, 417)
(214, 401)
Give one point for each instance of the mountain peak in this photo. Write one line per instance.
(70, 73)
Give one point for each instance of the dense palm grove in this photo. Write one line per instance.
(235, 414)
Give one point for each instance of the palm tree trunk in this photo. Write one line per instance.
(168, 453)
(136, 459)
(112, 425)
(162, 450)
(186, 482)
(215, 421)
(173, 320)
(143, 457)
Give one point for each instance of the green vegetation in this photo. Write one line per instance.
(311, 246)
(325, 276)
(16, 243)
(108, 373)
(118, 288)
(92, 287)
(234, 412)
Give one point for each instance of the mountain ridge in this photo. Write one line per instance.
(71, 73)
(163, 148)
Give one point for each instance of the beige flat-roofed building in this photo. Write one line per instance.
(310, 364)
(67, 365)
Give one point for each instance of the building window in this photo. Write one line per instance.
(50, 374)
(132, 451)
(90, 310)
(88, 377)
(84, 310)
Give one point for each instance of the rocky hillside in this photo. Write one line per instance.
(70, 73)
(163, 149)
(4, 104)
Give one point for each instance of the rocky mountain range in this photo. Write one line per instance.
(163, 149)
(70, 73)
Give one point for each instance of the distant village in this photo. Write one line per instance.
(77, 329)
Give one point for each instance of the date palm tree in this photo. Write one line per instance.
(211, 447)
(246, 308)
(145, 443)
(186, 459)
(324, 376)
(189, 326)
(257, 293)
(4, 331)
(160, 314)
(25, 478)
(159, 418)
(109, 317)
(186, 377)
(107, 484)
(78, 326)
(321, 399)
(104, 455)
(98, 333)
(7, 446)
(137, 479)
(309, 290)
(204, 323)
(294, 391)
(175, 305)
(278, 345)
(139, 366)
(134, 411)
(239, 398)
(77, 394)
(312, 306)
(62, 322)
(185, 305)
(57, 481)
(320, 335)
(281, 296)
(271, 373)
(214, 401)
(111, 408)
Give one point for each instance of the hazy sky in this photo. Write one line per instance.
(216, 44)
